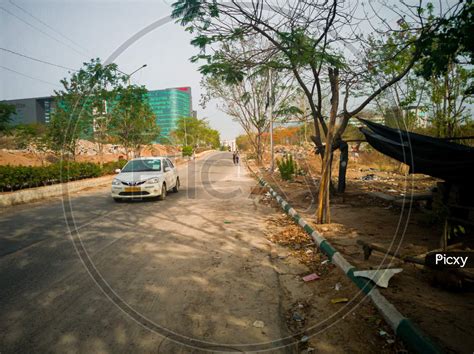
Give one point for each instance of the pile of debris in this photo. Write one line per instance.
(298, 152)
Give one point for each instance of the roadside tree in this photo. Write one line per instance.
(81, 107)
(321, 44)
(195, 132)
(133, 123)
(246, 98)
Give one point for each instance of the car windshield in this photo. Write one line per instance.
(143, 165)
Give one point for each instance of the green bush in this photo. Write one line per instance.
(110, 167)
(287, 167)
(187, 150)
(19, 177)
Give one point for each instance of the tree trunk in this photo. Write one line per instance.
(100, 148)
(259, 148)
(323, 213)
(343, 160)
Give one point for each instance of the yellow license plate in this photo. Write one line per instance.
(132, 189)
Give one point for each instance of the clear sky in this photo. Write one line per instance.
(69, 32)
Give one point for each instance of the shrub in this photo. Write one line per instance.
(19, 177)
(187, 150)
(287, 167)
(110, 167)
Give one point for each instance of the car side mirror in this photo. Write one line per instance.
(118, 170)
(167, 169)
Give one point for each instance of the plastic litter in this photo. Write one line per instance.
(380, 277)
(259, 324)
(297, 317)
(311, 277)
(339, 300)
(369, 177)
(338, 286)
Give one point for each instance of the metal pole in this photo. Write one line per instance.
(270, 114)
(185, 133)
(129, 75)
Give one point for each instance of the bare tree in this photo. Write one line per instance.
(247, 100)
(321, 44)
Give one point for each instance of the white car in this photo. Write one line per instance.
(145, 177)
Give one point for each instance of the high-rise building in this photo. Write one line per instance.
(32, 110)
(169, 105)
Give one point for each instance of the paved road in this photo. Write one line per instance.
(89, 275)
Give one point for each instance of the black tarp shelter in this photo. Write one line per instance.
(424, 154)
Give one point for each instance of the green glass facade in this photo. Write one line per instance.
(169, 105)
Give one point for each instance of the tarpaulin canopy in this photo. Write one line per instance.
(424, 154)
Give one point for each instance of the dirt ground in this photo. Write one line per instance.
(350, 326)
(433, 301)
(28, 158)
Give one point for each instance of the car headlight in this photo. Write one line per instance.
(116, 182)
(153, 181)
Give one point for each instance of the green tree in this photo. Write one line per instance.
(68, 123)
(450, 41)
(133, 122)
(6, 112)
(192, 131)
(450, 100)
(81, 107)
(35, 137)
(443, 97)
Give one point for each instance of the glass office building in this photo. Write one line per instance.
(169, 105)
(35, 110)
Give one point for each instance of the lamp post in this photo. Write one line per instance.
(133, 72)
(141, 67)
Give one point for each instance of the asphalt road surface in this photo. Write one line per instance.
(189, 274)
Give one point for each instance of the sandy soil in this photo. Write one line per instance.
(25, 158)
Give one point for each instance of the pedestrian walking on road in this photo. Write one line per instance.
(234, 157)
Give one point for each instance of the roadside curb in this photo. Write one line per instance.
(55, 190)
(409, 333)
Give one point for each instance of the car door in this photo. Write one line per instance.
(174, 172)
(167, 173)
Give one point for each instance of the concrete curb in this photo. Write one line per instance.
(55, 190)
(410, 334)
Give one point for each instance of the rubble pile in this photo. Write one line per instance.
(299, 152)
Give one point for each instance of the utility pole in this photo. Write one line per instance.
(270, 115)
(185, 133)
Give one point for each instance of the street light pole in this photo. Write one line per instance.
(141, 67)
(133, 72)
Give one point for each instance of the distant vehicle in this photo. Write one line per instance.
(145, 177)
